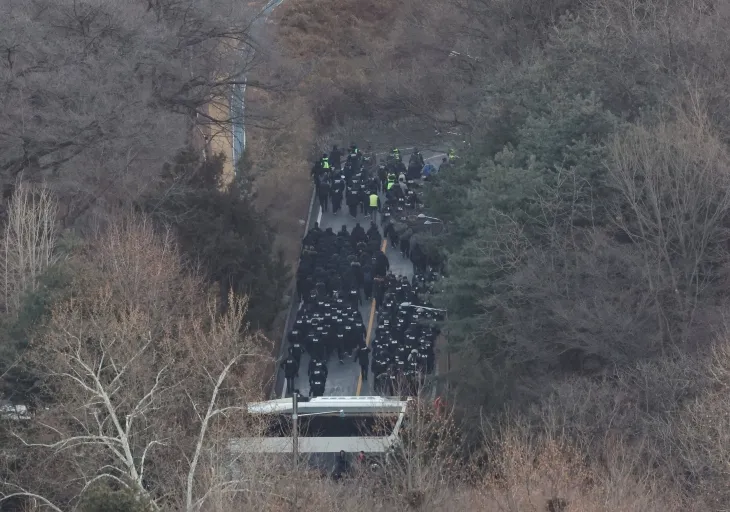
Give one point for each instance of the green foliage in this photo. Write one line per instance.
(221, 231)
(15, 332)
(37, 304)
(101, 498)
(506, 207)
(542, 275)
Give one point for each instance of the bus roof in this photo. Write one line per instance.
(311, 444)
(333, 405)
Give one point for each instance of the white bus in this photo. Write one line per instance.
(327, 425)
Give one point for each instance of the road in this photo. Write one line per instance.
(344, 380)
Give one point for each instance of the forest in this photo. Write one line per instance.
(585, 247)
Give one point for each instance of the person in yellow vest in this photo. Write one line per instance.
(391, 181)
(452, 155)
(374, 205)
(325, 163)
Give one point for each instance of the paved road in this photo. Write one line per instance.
(344, 380)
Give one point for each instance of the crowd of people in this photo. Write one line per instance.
(339, 270)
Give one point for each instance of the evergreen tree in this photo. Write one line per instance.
(220, 229)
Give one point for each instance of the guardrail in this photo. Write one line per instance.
(238, 105)
(277, 389)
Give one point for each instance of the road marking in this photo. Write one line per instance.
(383, 246)
(434, 157)
(301, 303)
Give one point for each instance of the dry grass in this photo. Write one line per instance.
(524, 474)
(309, 28)
(367, 60)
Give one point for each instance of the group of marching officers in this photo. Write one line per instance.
(338, 269)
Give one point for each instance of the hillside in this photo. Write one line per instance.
(585, 247)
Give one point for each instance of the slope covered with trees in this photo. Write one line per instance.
(587, 235)
(585, 249)
(586, 221)
(109, 108)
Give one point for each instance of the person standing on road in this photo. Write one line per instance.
(363, 196)
(336, 158)
(361, 356)
(317, 169)
(342, 466)
(324, 193)
(382, 178)
(402, 185)
(427, 170)
(405, 243)
(316, 388)
(351, 339)
(415, 164)
(445, 165)
(336, 189)
(382, 265)
(296, 350)
(373, 232)
(418, 257)
(353, 199)
(290, 367)
(316, 364)
(374, 201)
(358, 234)
(391, 181)
(367, 281)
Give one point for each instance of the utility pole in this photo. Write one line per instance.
(295, 427)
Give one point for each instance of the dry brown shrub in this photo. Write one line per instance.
(144, 381)
(548, 471)
(674, 181)
(377, 60)
(656, 425)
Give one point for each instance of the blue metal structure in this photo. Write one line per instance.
(238, 105)
(237, 117)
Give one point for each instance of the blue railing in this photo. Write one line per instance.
(237, 117)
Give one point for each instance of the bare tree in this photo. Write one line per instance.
(143, 392)
(675, 185)
(99, 94)
(29, 242)
(426, 461)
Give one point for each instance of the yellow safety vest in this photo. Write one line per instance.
(325, 164)
(373, 200)
(390, 185)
